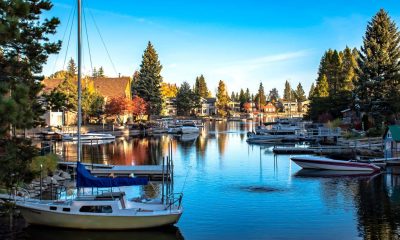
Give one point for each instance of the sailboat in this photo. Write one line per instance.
(105, 211)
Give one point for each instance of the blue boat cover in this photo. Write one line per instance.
(85, 179)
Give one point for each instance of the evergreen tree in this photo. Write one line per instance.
(71, 68)
(100, 73)
(322, 89)
(300, 94)
(233, 96)
(261, 100)
(287, 92)
(348, 71)
(247, 95)
(95, 73)
(24, 48)
(273, 95)
(222, 99)
(204, 92)
(184, 100)
(134, 83)
(149, 83)
(312, 91)
(379, 67)
(242, 98)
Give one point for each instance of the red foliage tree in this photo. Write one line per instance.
(138, 107)
(117, 106)
(247, 107)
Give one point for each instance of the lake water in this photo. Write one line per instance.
(234, 190)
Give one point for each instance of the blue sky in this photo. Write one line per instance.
(239, 42)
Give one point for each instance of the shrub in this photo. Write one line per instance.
(49, 164)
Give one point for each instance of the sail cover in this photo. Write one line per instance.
(85, 179)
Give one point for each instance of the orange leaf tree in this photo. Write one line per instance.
(117, 106)
(138, 107)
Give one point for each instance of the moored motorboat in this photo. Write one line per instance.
(316, 162)
(88, 137)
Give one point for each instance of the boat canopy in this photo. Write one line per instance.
(85, 179)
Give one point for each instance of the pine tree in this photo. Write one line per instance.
(222, 99)
(24, 49)
(312, 91)
(71, 68)
(287, 92)
(242, 98)
(247, 95)
(134, 83)
(100, 73)
(348, 71)
(233, 96)
(184, 100)
(322, 89)
(261, 100)
(204, 92)
(273, 95)
(148, 85)
(95, 73)
(300, 94)
(379, 67)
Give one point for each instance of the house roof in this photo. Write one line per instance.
(51, 83)
(395, 131)
(107, 87)
(111, 87)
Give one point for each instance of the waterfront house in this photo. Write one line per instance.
(106, 87)
(170, 107)
(269, 108)
(391, 140)
(234, 106)
(207, 107)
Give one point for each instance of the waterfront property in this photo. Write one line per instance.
(391, 140)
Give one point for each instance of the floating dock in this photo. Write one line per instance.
(293, 150)
(153, 172)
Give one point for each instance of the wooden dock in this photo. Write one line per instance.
(153, 172)
(293, 150)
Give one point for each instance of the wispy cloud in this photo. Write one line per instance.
(240, 72)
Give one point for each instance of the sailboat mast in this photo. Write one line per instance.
(79, 81)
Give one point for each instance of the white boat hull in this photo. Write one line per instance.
(331, 164)
(103, 221)
(187, 130)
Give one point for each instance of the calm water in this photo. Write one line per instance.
(235, 190)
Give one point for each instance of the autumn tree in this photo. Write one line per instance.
(138, 107)
(222, 99)
(117, 106)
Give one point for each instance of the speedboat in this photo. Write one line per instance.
(88, 137)
(316, 162)
(189, 127)
(106, 211)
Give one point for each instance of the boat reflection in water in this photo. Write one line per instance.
(44, 233)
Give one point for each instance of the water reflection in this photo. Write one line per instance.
(35, 232)
(239, 191)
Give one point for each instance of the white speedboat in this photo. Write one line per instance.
(108, 211)
(316, 162)
(189, 127)
(88, 137)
